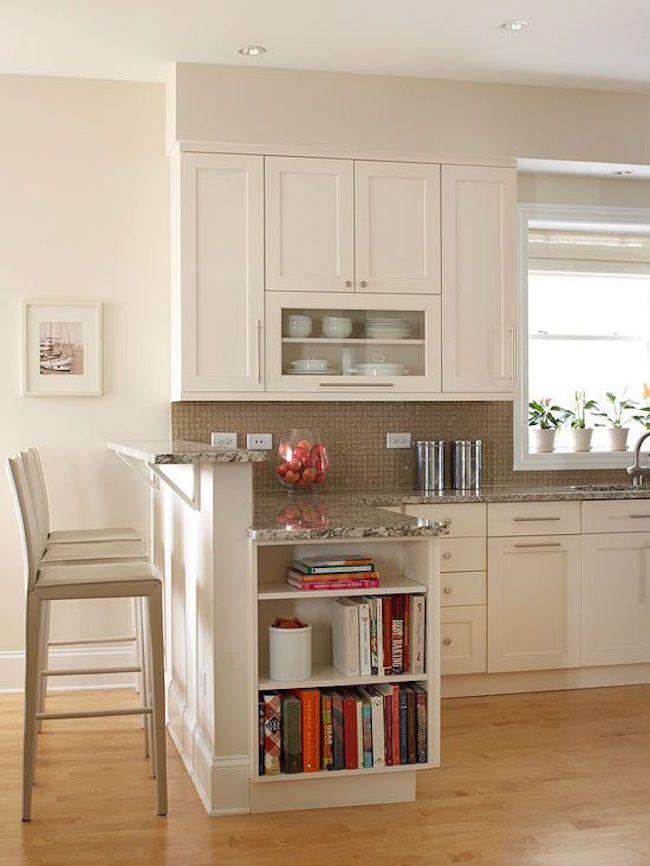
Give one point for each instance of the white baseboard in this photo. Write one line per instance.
(12, 668)
(221, 781)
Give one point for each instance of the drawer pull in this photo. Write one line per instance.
(447, 641)
(446, 555)
(639, 516)
(355, 384)
(447, 590)
(539, 544)
(532, 519)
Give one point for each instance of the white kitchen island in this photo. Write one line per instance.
(223, 563)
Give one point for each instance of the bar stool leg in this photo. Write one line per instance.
(158, 678)
(43, 656)
(31, 676)
(142, 676)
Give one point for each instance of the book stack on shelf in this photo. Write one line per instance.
(372, 726)
(381, 634)
(336, 573)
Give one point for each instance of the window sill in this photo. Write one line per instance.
(566, 460)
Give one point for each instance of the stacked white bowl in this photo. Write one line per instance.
(336, 327)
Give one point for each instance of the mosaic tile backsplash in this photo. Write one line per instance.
(355, 435)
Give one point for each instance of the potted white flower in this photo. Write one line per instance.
(618, 411)
(579, 435)
(543, 420)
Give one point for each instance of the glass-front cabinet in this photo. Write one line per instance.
(369, 344)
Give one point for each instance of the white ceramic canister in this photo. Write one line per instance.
(289, 653)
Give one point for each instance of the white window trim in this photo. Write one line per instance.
(605, 216)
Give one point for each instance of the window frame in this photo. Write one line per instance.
(552, 213)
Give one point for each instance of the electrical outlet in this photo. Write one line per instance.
(223, 440)
(259, 441)
(398, 440)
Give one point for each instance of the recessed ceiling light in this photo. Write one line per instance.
(513, 25)
(622, 172)
(252, 50)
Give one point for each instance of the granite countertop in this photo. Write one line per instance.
(284, 517)
(178, 451)
(507, 494)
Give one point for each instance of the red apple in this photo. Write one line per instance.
(291, 477)
(308, 475)
(282, 469)
(305, 444)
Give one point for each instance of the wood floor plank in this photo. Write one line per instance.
(549, 779)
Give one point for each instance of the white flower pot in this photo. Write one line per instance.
(541, 441)
(616, 438)
(579, 439)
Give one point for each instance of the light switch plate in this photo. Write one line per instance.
(398, 440)
(259, 441)
(223, 440)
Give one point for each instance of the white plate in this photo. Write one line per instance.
(310, 364)
(328, 372)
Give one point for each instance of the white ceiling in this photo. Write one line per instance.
(583, 43)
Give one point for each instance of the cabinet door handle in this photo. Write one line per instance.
(364, 284)
(447, 641)
(639, 516)
(447, 590)
(446, 555)
(539, 544)
(533, 519)
(259, 351)
(356, 384)
(348, 284)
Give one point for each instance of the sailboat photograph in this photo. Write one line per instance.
(61, 348)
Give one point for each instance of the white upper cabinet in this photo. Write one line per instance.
(478, 278)
(309, 224)
(397, 227)
(533, 603)
(615, 598)
(218, 274)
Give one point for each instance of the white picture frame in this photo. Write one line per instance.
(62, 348)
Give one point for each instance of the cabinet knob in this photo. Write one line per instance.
(364, 284)
(446, 555)
(447, 641)
(447, 590)
(348, 284)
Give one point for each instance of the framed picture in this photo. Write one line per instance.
(62, 348)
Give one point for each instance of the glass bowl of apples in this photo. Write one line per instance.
(303, 460)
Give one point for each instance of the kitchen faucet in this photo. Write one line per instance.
(636, 471)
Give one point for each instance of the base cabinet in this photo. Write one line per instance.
(615, 598)
(533, 603)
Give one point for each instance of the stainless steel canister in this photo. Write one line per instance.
(466, 464)
(431, 465)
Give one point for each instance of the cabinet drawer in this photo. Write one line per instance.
(462, 554)
(466, 520)
(534, 518)
(463, 640)
(463, 587)
(623, 515)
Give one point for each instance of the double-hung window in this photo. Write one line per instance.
(585, 321)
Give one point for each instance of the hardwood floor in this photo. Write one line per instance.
(553, 779)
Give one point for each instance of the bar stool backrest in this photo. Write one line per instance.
(37, 491)
(33, 549)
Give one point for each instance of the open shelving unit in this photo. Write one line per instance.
(406, 566)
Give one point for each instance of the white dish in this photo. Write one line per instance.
(336, 327)
(379, 369)
(328, 372)
(310, 364)
(299, 326)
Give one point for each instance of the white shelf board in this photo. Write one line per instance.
(397, 585)
(337, 774)
(327, 676)
(352, 341)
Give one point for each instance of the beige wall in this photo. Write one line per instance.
(84, 213)
(574, 190)
(277, 106)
